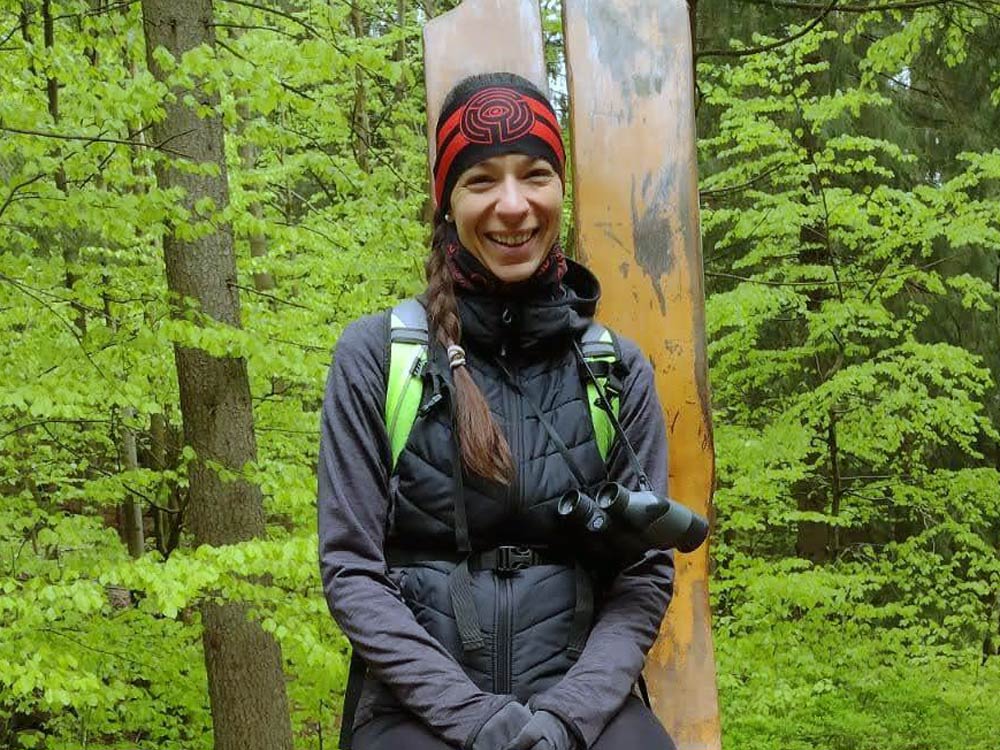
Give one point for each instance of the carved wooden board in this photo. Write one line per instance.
(481, 36)
(636, 210)
(636, 217)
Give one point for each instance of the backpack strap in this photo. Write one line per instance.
(407, 360)
(408, 340)
(601, 352)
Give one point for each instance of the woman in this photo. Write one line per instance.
(482, 617)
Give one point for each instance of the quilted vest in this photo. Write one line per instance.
(525, 618)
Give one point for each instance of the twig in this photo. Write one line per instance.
(311, 29)
(742, 185)
(98, 139)
(13, 190)
(773, 45)
(274, 297)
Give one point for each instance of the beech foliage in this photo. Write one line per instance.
(850, 194)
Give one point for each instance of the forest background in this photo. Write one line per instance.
(850, 195)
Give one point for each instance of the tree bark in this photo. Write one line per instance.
(70, 250)
(359, 120)
(245, 678)
(132, 528)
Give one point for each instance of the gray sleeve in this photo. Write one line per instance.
(596, 686)
(353, 507)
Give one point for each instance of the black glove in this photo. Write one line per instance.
(545, 731)
(498, 730)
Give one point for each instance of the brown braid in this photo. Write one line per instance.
(484, 448)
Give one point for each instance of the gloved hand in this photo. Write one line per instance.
(498, 730)
(545, 731)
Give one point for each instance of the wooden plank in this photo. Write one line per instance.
(481, 36)
(636, 216)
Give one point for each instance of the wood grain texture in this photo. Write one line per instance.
(480, 36)
(636, 218)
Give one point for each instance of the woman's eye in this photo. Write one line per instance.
(479, 179)
(540, 173)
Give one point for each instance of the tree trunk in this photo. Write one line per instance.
(130, 511)
(245, 678)
(132, 521)
(70, 251)
(359, 120)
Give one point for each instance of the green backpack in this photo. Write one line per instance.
(408, 357)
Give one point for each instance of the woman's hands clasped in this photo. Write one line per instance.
(515, 727)
(545, 731)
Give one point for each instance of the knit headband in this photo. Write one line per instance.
(491, 121)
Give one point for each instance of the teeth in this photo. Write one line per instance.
(511, 239)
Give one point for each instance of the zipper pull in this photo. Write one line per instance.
(506, 319)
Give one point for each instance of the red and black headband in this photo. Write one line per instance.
(492, 120)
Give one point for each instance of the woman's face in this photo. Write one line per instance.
(507, 211)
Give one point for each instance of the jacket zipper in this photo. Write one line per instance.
(504, 666)
(512, 408)
(503, 650)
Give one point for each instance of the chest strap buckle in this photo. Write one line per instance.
(511, 559)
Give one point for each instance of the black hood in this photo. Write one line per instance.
(493, 321)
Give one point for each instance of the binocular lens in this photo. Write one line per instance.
(612, 497)
(583, 510)
(641, 520)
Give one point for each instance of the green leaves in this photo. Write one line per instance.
(851, 252)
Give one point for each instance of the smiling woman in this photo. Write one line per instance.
(480, 618)
(507, 212)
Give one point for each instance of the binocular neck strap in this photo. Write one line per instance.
(605, 403)
(557, 441)
(462, 542)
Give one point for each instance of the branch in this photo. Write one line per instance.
(742, 185)
(311, 29)
(246, 27)
(274, 297)
(907, 5)
(98, 11)
(818, 282)
(244, 58)
(24, 289)
(773, 45)
(13, 190)
(39, 422)
(8, 35)
(97, 139)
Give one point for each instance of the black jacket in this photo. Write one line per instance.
(400, 621)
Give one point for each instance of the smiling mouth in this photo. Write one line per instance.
(511, 239)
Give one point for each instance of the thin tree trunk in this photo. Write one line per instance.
(130, 512)
(836, 489)
(245, 678)
(70, 252)
(131, 509)
(400, 55)
(693, 22)
(359, 122)
(262, 280)
(157, 461)
(25, 21)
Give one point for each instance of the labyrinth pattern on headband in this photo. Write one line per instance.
(496, 115)
(494, 120)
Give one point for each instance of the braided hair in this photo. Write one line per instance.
(484, 448)
(483, 116)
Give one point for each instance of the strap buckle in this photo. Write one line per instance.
(511, 559)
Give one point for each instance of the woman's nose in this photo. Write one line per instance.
(513, 202)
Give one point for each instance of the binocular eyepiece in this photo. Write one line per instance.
(635, 521)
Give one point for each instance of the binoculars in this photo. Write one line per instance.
(630, 523)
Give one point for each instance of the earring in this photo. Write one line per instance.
(447, 218)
